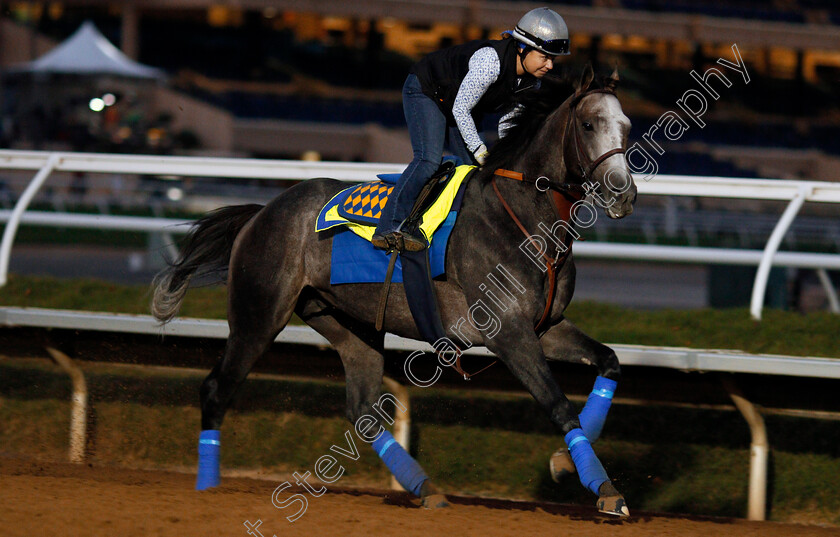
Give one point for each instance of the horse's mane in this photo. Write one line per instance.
(536, 107)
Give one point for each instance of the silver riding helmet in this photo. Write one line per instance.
(544, 30)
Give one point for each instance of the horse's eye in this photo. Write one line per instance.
(587, 125)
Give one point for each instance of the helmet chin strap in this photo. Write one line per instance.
(521, 53)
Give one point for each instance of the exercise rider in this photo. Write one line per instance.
(449, 90)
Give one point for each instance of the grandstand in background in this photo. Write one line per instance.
(289, 77)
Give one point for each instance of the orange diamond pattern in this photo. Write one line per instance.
(368, 199)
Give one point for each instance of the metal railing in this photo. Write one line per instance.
(796, 193)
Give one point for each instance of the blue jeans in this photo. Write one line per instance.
(428, 131)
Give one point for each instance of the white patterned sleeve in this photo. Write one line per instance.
(504, 122)
(484, 69)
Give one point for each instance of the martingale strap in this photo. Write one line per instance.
(563, 207)
(543, 183)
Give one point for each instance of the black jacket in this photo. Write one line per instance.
(441, 73)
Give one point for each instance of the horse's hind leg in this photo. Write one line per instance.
(360, 349)
(243, 349)
(260, 305)
(566, 342)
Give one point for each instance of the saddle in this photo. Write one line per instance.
(420, 293)
(359, 207)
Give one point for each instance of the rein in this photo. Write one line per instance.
(563, 195)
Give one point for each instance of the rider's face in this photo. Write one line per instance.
(538, 63)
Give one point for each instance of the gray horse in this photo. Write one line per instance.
(514, 221)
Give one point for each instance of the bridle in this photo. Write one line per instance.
(563, 197)
(586, 166)
(586, 170)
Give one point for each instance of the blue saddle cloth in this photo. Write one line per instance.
(355, 260)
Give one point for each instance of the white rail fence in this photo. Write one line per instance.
(796, 193)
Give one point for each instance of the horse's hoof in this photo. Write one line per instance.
(435, 501)
(431, 497)
(560, 465)
(611, 502)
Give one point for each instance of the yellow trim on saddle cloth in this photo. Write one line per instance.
(432, 218)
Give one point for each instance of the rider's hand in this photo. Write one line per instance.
(480, 154)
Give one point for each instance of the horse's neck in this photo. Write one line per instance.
(545, 156)
(528, 205)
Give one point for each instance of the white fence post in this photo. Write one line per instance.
(759, 451)
(830, 291)
(17, 213)
(78, 405)
(763, 272)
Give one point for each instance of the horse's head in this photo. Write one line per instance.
(576, 143)
(595, 139)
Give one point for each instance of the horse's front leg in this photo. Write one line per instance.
(566, 342)
(521, 351)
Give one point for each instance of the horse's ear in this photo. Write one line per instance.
(611, 82)
(585, 79)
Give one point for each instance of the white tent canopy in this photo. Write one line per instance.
(88, 52)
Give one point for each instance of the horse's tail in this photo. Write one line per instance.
(206, 250)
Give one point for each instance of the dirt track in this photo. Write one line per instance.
(75, 500)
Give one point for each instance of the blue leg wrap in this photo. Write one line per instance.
(594, 413)
(591, 472)
(402, 465)
(208, 460)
